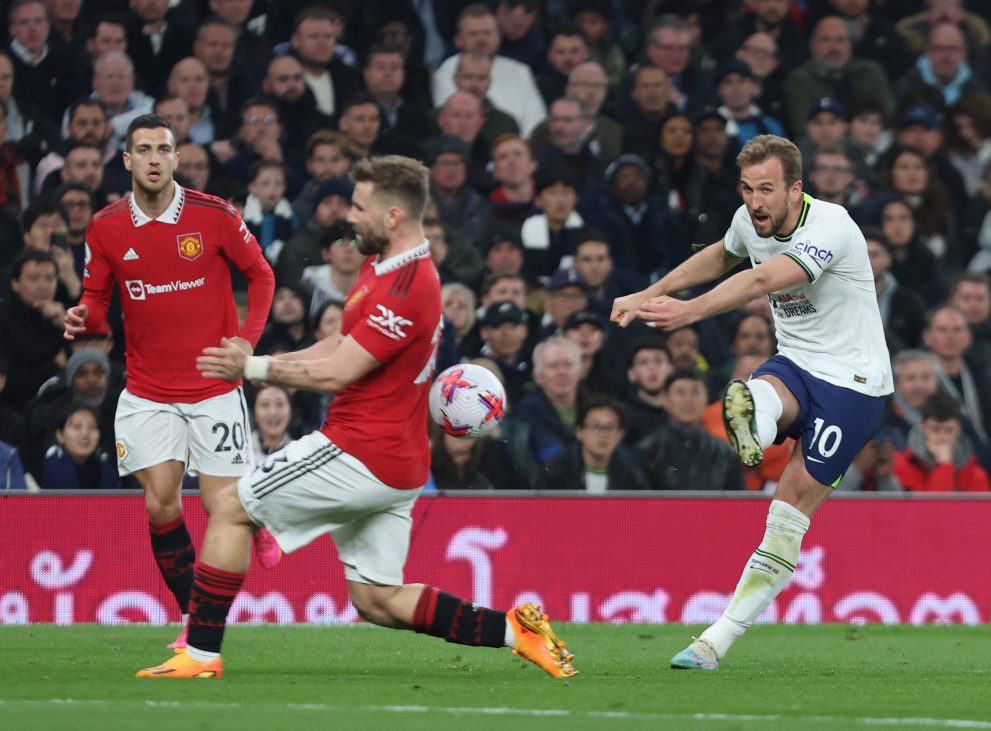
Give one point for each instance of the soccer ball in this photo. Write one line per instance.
(467, 401)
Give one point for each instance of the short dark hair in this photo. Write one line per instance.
(66, 412)
(31, 255)
(971, 277)
(324, 306)
(358, 99)
(85, 101)
(591, 234)
(327, 10)
(261, 165)
(601, 401)
(493, 279)
(645, 342)
(941, 407)
(397, 180)
(147, 121)
(37, 209)
(682, 374)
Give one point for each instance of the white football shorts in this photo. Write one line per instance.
(311, 487)
(211, 437)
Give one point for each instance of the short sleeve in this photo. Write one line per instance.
(733, 242)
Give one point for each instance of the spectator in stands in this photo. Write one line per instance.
(948, 337)
(549, 237)
(316, 31)
(513, 167)
(473, 74)
(86, 380)
(833, 177)
(31, 323)
(681, 455)
(652, 96)
(326, 158)
(738, 91)
(503, 253)
(486, 463)
(569, 127)
(194, 166)
(909, 173)
(773, 18)
(566, 51)
(915, 380)
(602, 372)
(88, 125)
(231, 80)
(903, 310)
(13, 169)
(917, 29)
(457, 257)
(867, 134)
(13, 430)
(45, 231)
(968, 140)
(253, 48)
(711, 196)
(12, 476)
(326, 321)
(683, 347)
(283, 81)
(459, 304)
(405, 123)
(189, 80)
(106, 33)
(176, 110)
(287, 328)
(669, 47)
(513, 88)
(49, 76)
(912, 263)
(673, 161)
(752, 335)
(271, 414)
(267, 213)
(564, 294)
(504, 333)
(462, 116)
(309, 248)
(155, 42)
(114, 87)
(550, 411)
(874, 36)
(459, 206)
(603, 281)
(361, 124)
(593, 17)
(871, 470)
(76, 202)
(596, 462)
(760, 52)
(644, 236)
(939, 457)
(523, 38)
(27, 126)
(76, 461)
(648, 367)
(833, 71)
(261, 136)
(970, 292)
(941, 75)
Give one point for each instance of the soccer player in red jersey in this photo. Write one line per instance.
(168, 248)
(358, 476)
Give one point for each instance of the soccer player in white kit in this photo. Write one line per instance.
(825, 387)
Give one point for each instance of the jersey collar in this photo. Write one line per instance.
(399, 260)
(170, 215)
(806, 207)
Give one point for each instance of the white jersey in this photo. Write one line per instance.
(831, 326)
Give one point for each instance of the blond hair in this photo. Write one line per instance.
(397, 181)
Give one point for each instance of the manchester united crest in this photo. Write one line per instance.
(190, 245)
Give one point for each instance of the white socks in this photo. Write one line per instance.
(766, 574)
(767, 410)
(201, 655)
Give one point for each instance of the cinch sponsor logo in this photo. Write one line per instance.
(823, 255)
(139, 290)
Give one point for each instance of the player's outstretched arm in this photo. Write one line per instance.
(779, 272)
(329, 375)
(708, 264)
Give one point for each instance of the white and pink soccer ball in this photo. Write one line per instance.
(467, 400)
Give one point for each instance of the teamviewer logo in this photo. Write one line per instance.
(135, 288)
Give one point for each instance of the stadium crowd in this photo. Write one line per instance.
(578, 150)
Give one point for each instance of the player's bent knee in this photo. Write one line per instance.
(374, 603)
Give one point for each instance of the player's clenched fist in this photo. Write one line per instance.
(624, 309)
(75, 321)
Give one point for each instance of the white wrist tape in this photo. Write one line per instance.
(256, 368)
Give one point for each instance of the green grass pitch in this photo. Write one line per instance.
(360, 677)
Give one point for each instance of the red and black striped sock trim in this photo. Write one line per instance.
(175, 555)
(210, 600)
(457, 620)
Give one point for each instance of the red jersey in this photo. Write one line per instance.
(394, 312)
(174, 281)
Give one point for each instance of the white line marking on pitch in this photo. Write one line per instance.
(531, 712)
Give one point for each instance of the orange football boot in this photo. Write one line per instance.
(536, 641)
(181, 665)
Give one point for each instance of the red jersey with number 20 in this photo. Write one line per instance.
(174, 280)
(394, 312)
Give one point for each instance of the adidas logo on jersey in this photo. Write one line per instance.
(237, 459)
(131, 255)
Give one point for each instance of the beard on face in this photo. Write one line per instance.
(371, 242)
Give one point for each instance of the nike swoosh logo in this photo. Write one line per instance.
(813, 459)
